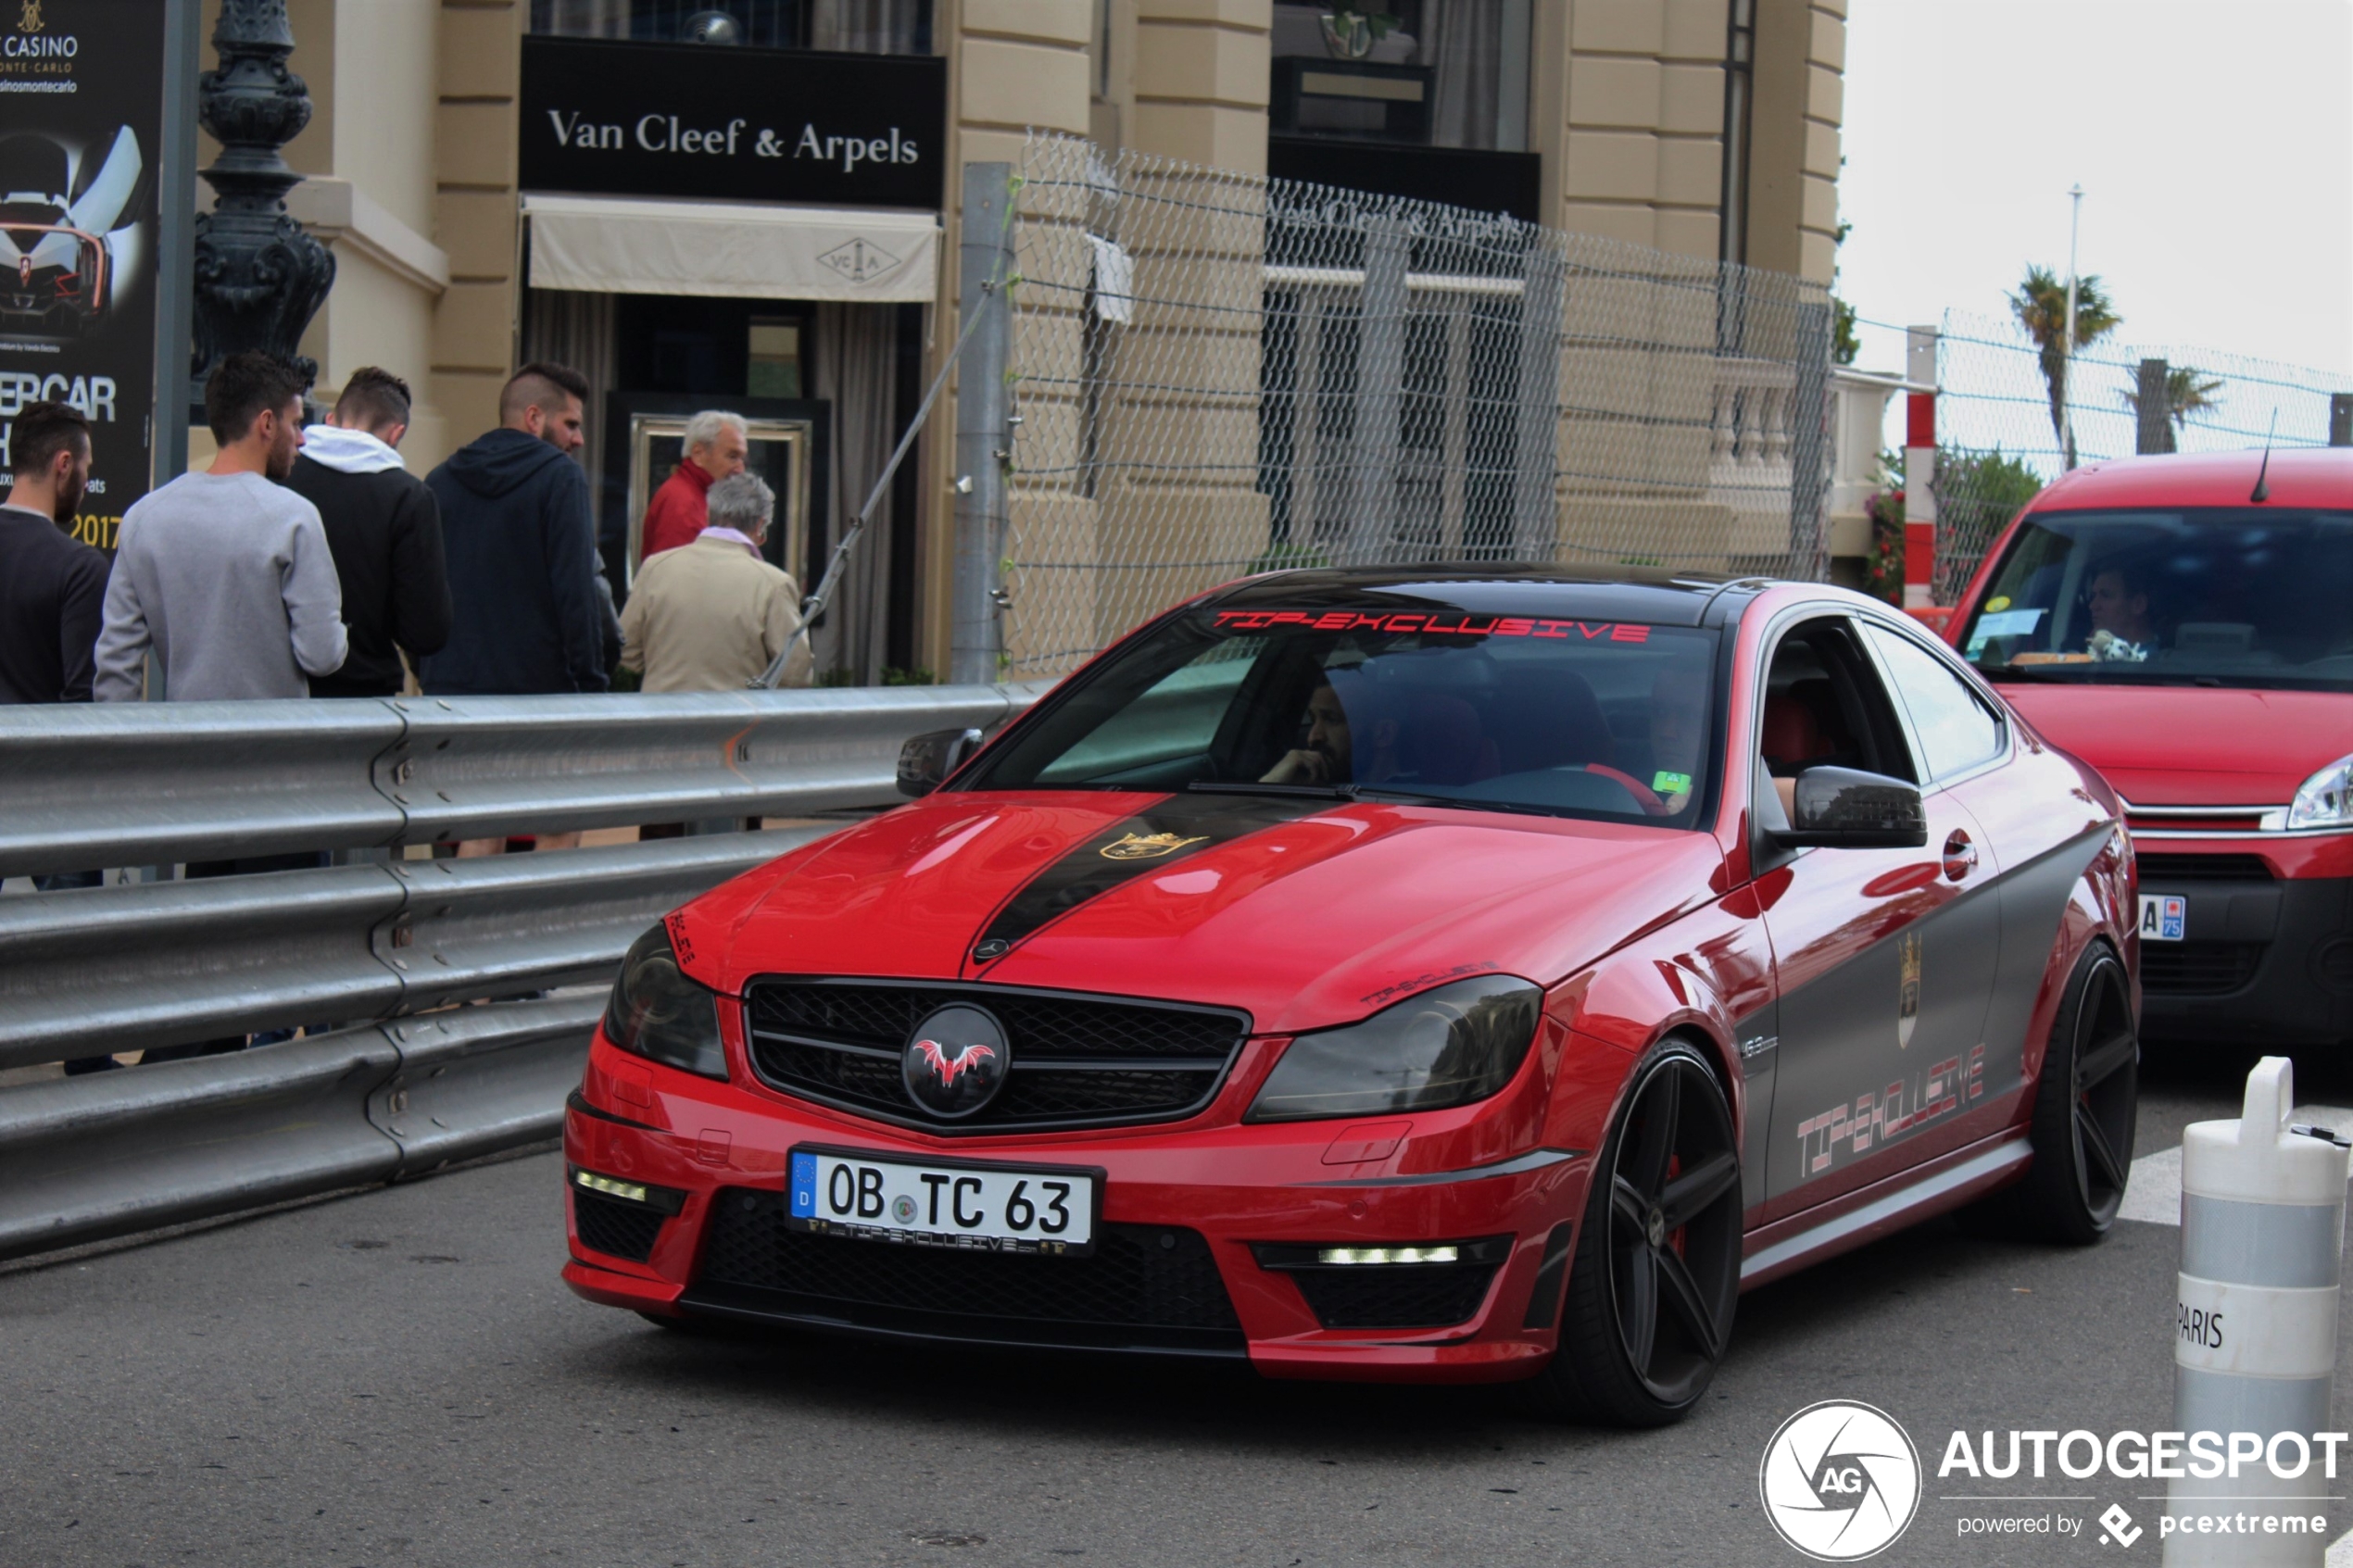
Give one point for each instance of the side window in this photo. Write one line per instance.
(1955, 729)
(1824, 705)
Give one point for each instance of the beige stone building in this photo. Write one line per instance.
(481, 216)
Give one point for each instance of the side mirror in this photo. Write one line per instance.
(926, 761)
(1846, 808)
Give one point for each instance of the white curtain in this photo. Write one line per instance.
(856, 362)
(867, 26)
(1464, 39)
(583, 19)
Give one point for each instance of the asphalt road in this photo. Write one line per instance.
(399, 1378)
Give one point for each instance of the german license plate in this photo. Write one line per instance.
(1050, 1209)
(2163, 916)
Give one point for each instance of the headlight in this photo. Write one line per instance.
(1447, 1046)
(2326, 799)
(658, 1013)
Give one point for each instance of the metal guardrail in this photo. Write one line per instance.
(131, 785)
(411, 960)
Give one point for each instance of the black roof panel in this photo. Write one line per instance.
(1647, 595)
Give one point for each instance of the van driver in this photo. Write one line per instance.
(2119, 604)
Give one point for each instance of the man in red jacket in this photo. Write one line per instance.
(717, 444)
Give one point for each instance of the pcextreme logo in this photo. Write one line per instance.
(1841, 1481)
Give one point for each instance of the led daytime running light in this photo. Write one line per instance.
(1389, 1255)
(611, 1186)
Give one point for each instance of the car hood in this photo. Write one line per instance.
(1304, 913)
(2193, 745)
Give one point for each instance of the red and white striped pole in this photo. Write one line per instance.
(1919, 466)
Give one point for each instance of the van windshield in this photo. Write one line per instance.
(2229, 597)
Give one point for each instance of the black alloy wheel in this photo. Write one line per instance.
(1658, 1268)
(2086, 1108)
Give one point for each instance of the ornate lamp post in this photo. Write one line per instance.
(258, 276)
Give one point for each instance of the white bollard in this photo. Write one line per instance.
(2254, 1330)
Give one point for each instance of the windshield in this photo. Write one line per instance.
(2237, 596)
(1585, 719)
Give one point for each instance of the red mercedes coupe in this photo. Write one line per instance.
(1437, 974)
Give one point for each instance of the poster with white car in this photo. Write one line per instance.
(81, 87)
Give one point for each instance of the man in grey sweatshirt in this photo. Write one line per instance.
(226, 574)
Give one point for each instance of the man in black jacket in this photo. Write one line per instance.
(524, 571)
(52, 587)
(383, 529)
(523, 549)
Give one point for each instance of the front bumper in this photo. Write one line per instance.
(2265, 959)
(1175, 1270)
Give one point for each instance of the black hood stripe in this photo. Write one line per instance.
(1177, 829)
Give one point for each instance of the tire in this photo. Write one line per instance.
(2085, 1107)
(1656, 1269)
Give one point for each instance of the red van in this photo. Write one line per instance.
(2185, 625)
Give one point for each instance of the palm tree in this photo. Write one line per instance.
(2187, 391)
(2041, 306)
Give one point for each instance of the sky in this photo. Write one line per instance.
(2213, 141)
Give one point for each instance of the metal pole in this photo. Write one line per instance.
(983, 442)
(1809, 444)
(2067, 346)
(2154, 434)
(175, 248)
(2341, 419)
(1536, 444)
(1380, 380)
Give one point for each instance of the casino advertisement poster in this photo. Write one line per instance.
(80, 96)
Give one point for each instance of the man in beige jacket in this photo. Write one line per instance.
(710, 616)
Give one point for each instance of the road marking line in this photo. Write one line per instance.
(2154, 1195)
(2341, 1552)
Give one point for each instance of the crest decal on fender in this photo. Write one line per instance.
(1146, 846)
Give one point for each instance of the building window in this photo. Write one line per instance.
(1441, 73)
(1739, 86)
(861, 27)
(774, 362)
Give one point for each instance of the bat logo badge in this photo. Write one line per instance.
(955, 1061)
(948, 1069)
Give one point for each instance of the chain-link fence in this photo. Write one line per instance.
(1218, 373)
(1998, 421)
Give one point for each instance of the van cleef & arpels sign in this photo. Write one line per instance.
(684, 121)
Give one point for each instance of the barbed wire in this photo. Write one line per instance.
(2000, 438)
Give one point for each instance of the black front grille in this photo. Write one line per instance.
(616, 1226)
(2198, 969)
(1395, 1295)
(1143, 1287)
(1076, 1061)
(2164, 870)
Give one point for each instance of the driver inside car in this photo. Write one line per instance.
(1329, 755)
(2119, 606)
